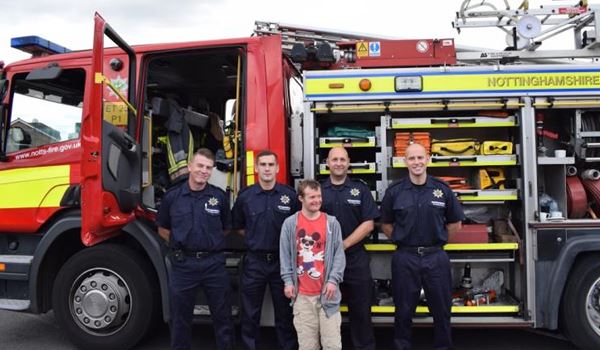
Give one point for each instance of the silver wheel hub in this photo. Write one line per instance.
(100, 301)
(592, 307)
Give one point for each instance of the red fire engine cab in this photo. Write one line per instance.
(83, 167)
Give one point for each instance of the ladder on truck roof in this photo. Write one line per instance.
(294, 34)
(315, 48)
(526, 30)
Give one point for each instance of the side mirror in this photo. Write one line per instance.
(17, 135)
(18, 139)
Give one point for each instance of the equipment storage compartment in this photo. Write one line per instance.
(568, 147)
(493, 276)
(359, 133)
(477, 154)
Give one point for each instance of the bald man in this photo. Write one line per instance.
(351, 202)
(417, 213)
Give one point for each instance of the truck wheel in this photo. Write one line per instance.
(104, 298)
(581, 304)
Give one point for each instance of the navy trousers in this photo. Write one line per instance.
(185, 279)
(410, 272)
(260, 270)
(357, 293)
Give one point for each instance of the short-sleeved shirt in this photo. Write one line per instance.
(420, 213)
(261, 213)
(311, 238)
(196, 219)
(351, 203)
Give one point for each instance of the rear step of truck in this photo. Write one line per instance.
(465, 321)
(14, 304)
(15, 274)
(203, 310)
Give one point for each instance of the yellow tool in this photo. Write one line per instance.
(491, 178)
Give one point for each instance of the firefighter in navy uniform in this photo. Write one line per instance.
(258, 214)
(192, 218)
(417, 213)
(351, 202)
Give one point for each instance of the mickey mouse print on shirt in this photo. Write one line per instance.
(310, 243)
(308, 255)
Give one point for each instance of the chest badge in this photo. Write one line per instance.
(355, 192)
(437, 193)
(212, 201)
(285, 199)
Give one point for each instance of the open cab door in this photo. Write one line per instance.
(111, 159)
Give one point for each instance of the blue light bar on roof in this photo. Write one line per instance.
(37, 46)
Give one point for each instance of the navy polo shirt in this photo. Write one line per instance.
(196, 218)
(351, 203)
(420, 213)
(261, 214)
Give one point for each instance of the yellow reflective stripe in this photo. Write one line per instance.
(511, 81)
(324, 170)
(351, 171)
(445, 126)
(577, 103)
(174, 168)
(481, 246)
(478, 163)
(398, 162)
(54, 196)
(41, 187)
(483, 198)
(387, 247)
(442, 82)
(190, 149)
(250, 168)
(455, 309)
(475, 309)
(171, 159)
(173, 165)
(380, 247)
(413, 106)
(347, 145)
(321, 86)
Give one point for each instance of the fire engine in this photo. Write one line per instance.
(85, 158)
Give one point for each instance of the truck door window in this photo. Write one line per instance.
(45, 111)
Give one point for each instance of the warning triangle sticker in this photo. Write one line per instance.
(362, 50)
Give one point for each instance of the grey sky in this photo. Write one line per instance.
(70, 22)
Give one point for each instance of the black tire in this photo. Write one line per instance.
(105, 298)
(580, 307)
